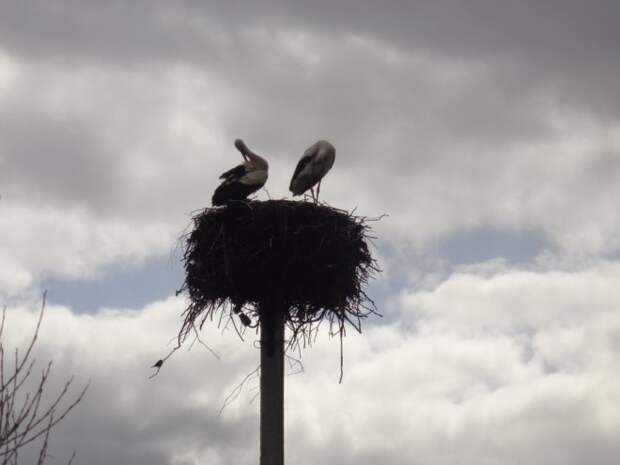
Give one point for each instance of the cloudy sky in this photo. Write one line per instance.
(488, 131)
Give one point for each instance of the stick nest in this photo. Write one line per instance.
(313, 258)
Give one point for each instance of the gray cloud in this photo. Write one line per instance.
(66, 161)
(565, 45)
(445, 116)
(452, 26)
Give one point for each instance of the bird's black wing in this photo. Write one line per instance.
(231, 191)
(234, 173)
(303, 161)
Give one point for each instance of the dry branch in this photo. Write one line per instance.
(26, 416)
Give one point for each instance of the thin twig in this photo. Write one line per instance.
(237, 390)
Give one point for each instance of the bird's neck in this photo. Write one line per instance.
(257, 163)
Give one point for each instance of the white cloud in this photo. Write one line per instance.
(9, 73)
(71, 243)
(150, 420)
(503, 368)
(511, 299)
(13, 278)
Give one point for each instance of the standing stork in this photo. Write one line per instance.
(242, 180)
(316, 161)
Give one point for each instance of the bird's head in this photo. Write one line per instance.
(252, 159)
(240, 145)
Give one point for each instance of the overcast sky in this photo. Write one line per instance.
(488, 131)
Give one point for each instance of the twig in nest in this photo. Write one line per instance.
(237, 390)
(215, 354)
(292, 363)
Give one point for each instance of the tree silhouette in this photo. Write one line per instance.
(28, 412)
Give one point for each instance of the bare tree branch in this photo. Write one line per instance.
(26, 415)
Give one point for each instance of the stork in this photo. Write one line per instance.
(242, 180)
(316, 161)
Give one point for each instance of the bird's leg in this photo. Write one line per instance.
(318, 190)
(312, 193)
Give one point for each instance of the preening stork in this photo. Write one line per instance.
(242, 180)
(316, 161)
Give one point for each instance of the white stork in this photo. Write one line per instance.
(313, 165)
(242, 180)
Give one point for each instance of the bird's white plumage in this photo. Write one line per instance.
(316, 161)
(255, 177)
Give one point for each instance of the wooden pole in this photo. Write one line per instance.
(272, 384)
